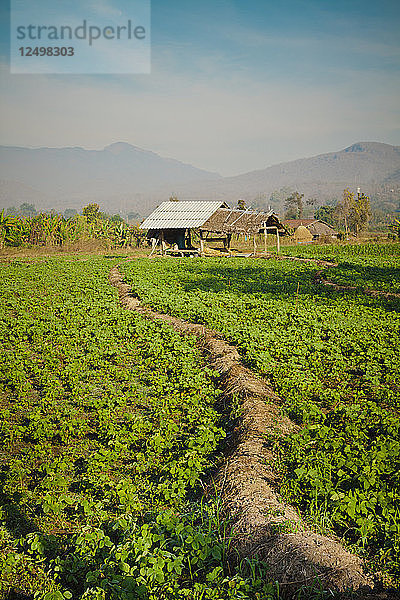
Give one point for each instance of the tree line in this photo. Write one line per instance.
(352, 212)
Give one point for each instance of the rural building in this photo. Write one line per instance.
(315, 227)
(172, 223)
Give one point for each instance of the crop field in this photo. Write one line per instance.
(108, 423)
(365, 266)
(332, 356)
(111, 424)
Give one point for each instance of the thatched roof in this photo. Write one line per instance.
(320, 228)
(314, 226)
(294, 223)
(226, 220)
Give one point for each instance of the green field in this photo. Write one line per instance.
(365, 266)
(333, 357)
(111, 424)
(108, 422)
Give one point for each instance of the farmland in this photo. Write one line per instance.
(375, 267)
(111, 423)
(333, 357)
(108, 424)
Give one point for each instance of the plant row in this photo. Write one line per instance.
(108, 425)
(334, 359)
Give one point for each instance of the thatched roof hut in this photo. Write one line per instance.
(172, 223)
(227, 220)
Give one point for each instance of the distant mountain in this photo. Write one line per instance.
(118, 176)
(122, 177)
(372, 166)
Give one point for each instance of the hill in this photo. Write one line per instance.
(373, 166)
(122, 177)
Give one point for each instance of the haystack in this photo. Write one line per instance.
(302, 235)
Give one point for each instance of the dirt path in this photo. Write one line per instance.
(316, 261)
(264, 525)
(320, 279)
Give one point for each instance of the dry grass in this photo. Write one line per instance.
(92, 247)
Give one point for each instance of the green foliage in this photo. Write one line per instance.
(344, 469)
(57, 230)
(354, 210)
(325, 213)
(294, 206)
(108, 422)
(91, 212)
(334, 359)
(366, 266)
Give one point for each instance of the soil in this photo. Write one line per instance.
(264, 525)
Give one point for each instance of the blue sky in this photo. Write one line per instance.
(234, 85)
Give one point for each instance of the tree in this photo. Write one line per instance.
(115, 218)
(325, 213)
(294, 206)
(12, 210)
(27, 210)
(360, 212)
(173, 198)
(343, 208)
(133, 216)
(354, 210)
(91, 212)
(395, 227)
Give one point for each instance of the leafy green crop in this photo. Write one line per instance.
(366, 266)
(334, 359)
(107, 424)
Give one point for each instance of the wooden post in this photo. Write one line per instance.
(254, 245)
(154, 243)
(201, 247)
(265, 238)
(278, 243)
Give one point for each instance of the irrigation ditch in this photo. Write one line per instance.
(264, 525)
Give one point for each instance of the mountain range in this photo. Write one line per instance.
(123, 178)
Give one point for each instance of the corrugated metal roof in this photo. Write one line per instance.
(181, 215)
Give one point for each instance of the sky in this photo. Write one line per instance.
(234, 85)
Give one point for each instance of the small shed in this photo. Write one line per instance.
(172, 222)
(316, 227)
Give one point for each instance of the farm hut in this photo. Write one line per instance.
(316, 227)
(171, 224)
(225, 222)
